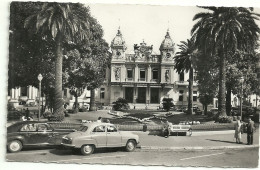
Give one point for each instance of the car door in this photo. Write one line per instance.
(29, 133)
(44, 134)
(99, 134)
(114, 138)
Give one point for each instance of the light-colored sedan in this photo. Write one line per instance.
(100, 135)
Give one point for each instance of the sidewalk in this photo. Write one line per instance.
(211, 140)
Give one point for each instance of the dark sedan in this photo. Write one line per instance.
(33, 134)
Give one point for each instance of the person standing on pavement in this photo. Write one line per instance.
(250, 131)
(238, 129)
(27, 113)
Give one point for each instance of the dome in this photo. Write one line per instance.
(167, 43)
(118, 40)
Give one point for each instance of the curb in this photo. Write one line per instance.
(159, 148)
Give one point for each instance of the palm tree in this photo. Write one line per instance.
(183, 62)
(62, 23)
(221, 32)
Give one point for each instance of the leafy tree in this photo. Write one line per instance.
(86, 65)
(167, 103)
(120, 104)
(221, 32)
(29, 54)
(183, 62)
(62, 23)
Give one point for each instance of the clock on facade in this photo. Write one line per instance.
(168, 55)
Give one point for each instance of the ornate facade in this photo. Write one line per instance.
(143, 77)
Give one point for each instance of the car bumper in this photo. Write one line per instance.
(67, 145)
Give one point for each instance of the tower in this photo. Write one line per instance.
(167, 49)
(118, 48)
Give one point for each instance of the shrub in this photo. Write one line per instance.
(167, 103)
(46, 114)
(224, 119)
(120, 104)
(10, 107)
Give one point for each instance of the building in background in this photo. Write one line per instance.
(143, 77)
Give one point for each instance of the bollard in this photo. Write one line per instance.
(144, 127)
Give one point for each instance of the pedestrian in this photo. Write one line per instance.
(238, 130)
(99, 119)
(167, 129)
(27, 113)
(250, 131)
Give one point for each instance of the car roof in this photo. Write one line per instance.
(94, 124)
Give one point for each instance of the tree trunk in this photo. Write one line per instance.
(228, 101)
(190, 98)
(92, 100)
(58, 101)
(205, 109)
(76, 104)
(222, 87)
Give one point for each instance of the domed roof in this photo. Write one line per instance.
(167, 43)
(118, 40)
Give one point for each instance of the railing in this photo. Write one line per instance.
(141, 79)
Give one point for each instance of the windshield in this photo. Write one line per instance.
(83, 128)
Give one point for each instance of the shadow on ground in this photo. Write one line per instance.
(214, 140)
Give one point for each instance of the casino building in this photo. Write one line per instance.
(143, 77)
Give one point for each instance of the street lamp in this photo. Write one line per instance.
(241, 96)
(40, 79)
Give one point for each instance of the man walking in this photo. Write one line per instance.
(250, 131)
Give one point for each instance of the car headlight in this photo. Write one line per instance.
(67, 140)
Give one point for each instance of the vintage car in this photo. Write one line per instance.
(33, 134)
(99, 135)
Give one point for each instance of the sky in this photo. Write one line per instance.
(146, 22)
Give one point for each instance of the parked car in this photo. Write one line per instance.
(100, 135)
(33, 134)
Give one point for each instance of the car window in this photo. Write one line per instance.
(42, 127)
(111, 128)
(28, 127)
(100, 128)
(83, 128)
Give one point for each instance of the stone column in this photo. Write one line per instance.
(171, 76)
(149, 73)
(29, 92)
(13, 93)
(148, 93)
(136, 73)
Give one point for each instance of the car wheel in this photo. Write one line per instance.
(15, 146)
(130, 146)
(87, 149)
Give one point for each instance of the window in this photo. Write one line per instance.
(83, 128)
(129, 73)
(155, 74)
(181, 76)
(181, 95)
(100, 128)
(28, 127)
(195, 76)
(111, 129)
(142, 74)
(42, 127)
(195, 97)
(102, 93)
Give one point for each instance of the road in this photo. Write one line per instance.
(243, 158)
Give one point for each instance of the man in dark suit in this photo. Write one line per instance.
(250, 131)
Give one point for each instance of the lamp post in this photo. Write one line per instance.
(241, 95)
(39, 105)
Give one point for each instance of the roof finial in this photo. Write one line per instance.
(168, 26)
(119, 23)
